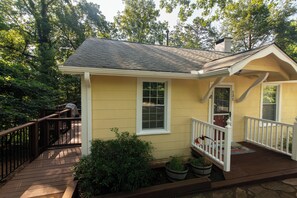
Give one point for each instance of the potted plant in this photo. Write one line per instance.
(201, 166)
(176, 169)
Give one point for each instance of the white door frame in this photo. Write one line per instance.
(211, 102)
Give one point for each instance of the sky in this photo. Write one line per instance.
(109, 9)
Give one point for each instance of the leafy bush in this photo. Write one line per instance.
(200, 161)
(176, 163)
(121, 164)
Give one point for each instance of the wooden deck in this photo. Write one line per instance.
(47, 176)
(261, 165)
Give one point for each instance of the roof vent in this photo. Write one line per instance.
(223, 45)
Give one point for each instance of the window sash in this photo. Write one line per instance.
(270, 102)
(153, 105)
(158, 102)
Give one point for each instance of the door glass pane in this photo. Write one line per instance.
(221, 100)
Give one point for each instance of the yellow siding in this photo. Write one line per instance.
(288, 102)
(114, 105)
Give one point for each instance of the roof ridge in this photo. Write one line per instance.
(154, 45)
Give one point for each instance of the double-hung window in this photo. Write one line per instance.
(270, 102)
(153, 106)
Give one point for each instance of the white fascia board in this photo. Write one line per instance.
(273, 49)
(122, 72)
(215, 73)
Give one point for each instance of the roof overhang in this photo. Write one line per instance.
(129, 73)
(237, 67)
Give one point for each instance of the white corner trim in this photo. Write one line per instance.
(87, 79)
(86, 102)
(167, 123)
(124, 72)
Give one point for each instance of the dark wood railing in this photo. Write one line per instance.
(24, 143)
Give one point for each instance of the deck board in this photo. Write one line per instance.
(47, 176)
(261, 165)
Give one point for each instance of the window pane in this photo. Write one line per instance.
(153, 101)
(146, 85)
(145, 125)
(269, 94)
(221, 100)
(145, 101)
(160, 124)
(269, 102)
(269, 111)
(161, 94)
(153, 109)
(161, 101)
(146, 93)
(153, 93)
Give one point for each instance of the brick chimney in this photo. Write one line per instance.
(223, 45)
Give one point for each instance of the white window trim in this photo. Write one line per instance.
(278, 96)
(166, 130)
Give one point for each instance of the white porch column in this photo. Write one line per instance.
(294, 141)
(227, 147)
(86, 111)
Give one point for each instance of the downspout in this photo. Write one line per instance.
(86, 111)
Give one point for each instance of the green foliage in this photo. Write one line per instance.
(249, 23)
(138, 23)
(200, 161)
(22, 97)
(36, 36)
(199, 35)
(121, 164)
(176, 163)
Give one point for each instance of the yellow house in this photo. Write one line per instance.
(173, 96)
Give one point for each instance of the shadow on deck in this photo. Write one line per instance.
(261, 165)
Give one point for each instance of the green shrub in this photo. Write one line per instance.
(200, 161)
(121, 164)
(176, 163)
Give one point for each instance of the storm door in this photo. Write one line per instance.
(221, 105)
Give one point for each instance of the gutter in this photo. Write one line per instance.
(128, 73)
(216, 73)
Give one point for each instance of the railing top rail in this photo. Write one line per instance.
(211, 125)
(7, 131)
(69, 118)
(269, 121)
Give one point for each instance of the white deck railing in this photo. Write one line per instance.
(273, 135)
(213, 141)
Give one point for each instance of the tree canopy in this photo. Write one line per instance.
(139, 23)
(36, 36)
(250, 23)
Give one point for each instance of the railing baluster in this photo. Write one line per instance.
(215, 143)
(250, 129)
(276, 136)
(271, 134)
(288, 140)
(221, 146)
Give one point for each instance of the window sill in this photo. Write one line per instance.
(153, 132)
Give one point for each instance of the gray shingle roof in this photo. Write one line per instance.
(102, 53)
